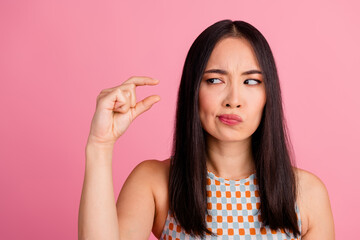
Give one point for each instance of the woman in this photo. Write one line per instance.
(230, 175)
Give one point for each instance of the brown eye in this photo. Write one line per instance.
(253, 81)
(213, 80)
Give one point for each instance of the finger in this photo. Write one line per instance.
(144, 105)
(123, 107)
(141, 81)
(129, 89)
(132, 83)
(114, 99)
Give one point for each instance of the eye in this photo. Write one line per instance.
(253, 81)
(213, 80)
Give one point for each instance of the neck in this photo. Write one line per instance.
(231, 160)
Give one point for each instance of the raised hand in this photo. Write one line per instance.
(116, 108)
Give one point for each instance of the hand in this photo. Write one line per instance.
(116, 108)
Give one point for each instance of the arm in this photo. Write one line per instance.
(97, 211)
(115, 109)
(317, 205)
(132, 217)
(136, 203)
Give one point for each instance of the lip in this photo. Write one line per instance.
(230, 119)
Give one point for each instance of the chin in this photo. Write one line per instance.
(232, 138)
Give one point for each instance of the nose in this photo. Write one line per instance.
(228, 105)
(233, 97)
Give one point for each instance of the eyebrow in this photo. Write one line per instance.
(223, 72)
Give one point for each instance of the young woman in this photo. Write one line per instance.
(231, 174)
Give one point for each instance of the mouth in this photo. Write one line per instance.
(230, 119)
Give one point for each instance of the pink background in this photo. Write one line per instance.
(56, 56)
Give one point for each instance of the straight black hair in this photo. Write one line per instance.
(271, 146)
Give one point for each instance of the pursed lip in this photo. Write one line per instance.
(232, 117)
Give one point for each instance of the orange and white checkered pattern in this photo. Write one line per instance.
(233, 213)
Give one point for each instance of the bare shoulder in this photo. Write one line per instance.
(142, 200)
(310, 186)
(153, 165)
(156, 175)
(153, 172)
(154, 168)
(309, 183)
(314, 204)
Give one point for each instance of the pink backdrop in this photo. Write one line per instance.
(56, 56)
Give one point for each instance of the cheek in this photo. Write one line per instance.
(259, 99)
(202, 107)
(256, 105)
(206, 109)
(260, 106)
(206, 103)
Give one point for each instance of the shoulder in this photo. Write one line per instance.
(142, 201)
(310, 185)
(314, 205)
(144, 175)
(152, 166)
(152, 172)
(309, 182)
(156, 175)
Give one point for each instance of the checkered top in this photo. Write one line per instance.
(233, 213)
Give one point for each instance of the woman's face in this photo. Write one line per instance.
(232, 87)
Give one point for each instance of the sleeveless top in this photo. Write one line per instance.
(233, 213)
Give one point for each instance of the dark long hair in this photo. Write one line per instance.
(271, 146)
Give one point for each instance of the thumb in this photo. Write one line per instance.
(144, 105)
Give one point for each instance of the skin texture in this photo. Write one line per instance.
(142, 204)
(229, 147)
(116, 108)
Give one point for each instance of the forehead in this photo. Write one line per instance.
(231, 53)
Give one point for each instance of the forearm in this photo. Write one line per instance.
(97, 211)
